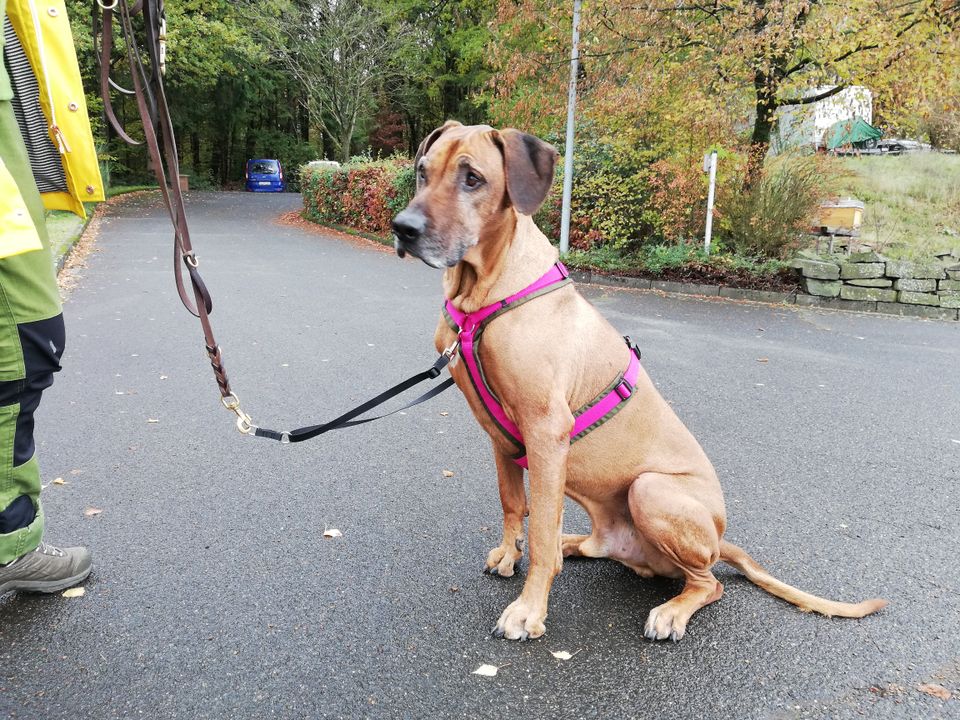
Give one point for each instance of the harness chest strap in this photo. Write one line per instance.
(469, 328)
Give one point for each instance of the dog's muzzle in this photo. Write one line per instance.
(408, 227)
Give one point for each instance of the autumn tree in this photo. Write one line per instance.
(772, 52)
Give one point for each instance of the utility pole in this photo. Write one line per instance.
(568, 149)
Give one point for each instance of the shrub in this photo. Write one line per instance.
(608, 206)
(770, 218)
(364, 195)
(943, 127)
(677, 199)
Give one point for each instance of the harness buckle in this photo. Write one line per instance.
(451, 353)
(624, 389)
(452, 349)
(633, 346)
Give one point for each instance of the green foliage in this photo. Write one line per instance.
(404, 185)
(771, 218)
(657, 258)
(608, 203)
(115, 190)
(676, 260)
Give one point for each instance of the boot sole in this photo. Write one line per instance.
(44, 586)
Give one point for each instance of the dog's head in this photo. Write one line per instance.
(469, 180)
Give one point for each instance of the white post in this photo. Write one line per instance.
(568, 149)
(713, 181)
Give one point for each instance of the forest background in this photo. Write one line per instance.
(661, 83)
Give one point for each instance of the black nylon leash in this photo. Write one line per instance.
(347, 419)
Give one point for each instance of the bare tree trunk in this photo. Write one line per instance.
(346, 135)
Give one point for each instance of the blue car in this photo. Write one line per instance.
(265, 176)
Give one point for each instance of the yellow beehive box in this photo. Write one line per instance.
(841, 217)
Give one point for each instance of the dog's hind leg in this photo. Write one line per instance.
(593, 545)
(579, 546)
(685, 534)
(502, 560)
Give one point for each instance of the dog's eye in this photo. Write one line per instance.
(472, 180)
(421, 174)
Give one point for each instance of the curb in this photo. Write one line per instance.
(765, 296)
(65, 253)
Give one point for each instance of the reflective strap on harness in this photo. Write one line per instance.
(469, 327)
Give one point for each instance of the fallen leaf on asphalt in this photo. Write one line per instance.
(74, 592)
(444, 413)
(163, 377)
(763, 360)
(152, 420)
(454, 588)
(60, 481)
(486, 670)
(937, 691)
(91, 512)
(332, 533)
(563, 654)
(448, 473)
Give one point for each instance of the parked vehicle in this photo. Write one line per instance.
(265, 175)
(895, 146)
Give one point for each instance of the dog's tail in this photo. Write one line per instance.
(737, 557)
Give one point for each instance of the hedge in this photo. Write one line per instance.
(363, 195)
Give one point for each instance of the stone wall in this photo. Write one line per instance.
(869, 281)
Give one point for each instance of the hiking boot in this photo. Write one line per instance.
(47, 569)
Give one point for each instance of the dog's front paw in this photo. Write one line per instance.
(503, 560)
(521, 621)
(667, 621)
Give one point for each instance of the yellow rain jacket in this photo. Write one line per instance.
(43, 29)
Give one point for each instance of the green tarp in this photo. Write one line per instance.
(854, 131)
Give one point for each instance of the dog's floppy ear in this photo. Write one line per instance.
(432, 138)
(528, 163)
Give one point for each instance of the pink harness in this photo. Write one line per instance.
(469, 328)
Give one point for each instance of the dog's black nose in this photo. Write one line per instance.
(409, 225)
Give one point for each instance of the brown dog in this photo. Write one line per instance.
(651, 493)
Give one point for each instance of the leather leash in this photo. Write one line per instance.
(155, 115)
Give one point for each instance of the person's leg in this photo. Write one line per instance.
(31, 343)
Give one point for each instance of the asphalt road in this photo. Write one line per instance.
(215, 596)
